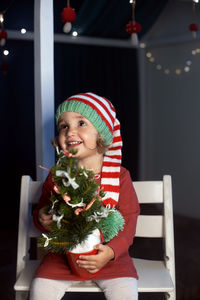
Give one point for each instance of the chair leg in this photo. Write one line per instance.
(21, 295)
(170, 296)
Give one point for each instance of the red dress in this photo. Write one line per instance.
(55, 266)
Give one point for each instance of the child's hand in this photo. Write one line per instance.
(93, 263)
(45, 219)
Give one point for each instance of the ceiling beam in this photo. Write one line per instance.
(104, 42)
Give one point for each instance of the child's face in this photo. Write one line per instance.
(75, 131)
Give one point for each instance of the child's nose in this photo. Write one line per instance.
(71, 131)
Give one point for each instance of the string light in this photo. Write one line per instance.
(188, 62)
(178, 71)
(74, 33)
(23, 31)
(151, 59)
(148, 54)
(142, 45)
(158, 67)
(5, 52)
(185, 68)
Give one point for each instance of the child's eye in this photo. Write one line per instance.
(63, 126)
(82, 123)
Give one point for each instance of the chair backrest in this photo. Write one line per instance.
(30, 193)
(148, 192)
(157, 226)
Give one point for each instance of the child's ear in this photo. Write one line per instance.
(101, 145)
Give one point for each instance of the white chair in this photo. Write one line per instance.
(154, 276)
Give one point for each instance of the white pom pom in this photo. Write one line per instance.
(67, 27)
(2, 42)
(134, 39)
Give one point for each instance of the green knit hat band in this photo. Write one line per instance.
(89, 113)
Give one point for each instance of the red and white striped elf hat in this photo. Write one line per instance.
(101, 113)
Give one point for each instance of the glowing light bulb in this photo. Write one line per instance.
(131, 1)
(148, 54)
(167, 71)
(151, 59)
(196, 1)
(193, 52)
(158, 67)
(187, 69)
(23, 31)
(142, 45)
(188, 62)
(6, 52)
(74, 33)
(178, 71)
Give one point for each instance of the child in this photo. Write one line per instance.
(87, 122)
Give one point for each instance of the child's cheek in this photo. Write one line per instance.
(62, 141)
(91, 140)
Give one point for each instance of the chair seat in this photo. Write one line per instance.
(24, 281)
(153, 277)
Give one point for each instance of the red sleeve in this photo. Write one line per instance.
(43, 201)
(129, 208)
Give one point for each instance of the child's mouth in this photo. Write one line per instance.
(73, 144)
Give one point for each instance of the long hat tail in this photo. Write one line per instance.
(111, 168)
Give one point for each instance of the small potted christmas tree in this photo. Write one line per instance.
(80, 219)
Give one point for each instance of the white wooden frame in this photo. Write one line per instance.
(154, 276)
(44, 85)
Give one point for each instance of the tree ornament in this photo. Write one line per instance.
(58, 220)
(56, 189)
(47, 239)
(194, 28)
(66, 198)
(71, 181)
(133, 27)
(68, 16)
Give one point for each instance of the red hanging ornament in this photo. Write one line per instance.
(194, 28)
(68, 16)
(133, 27)
(3, 37)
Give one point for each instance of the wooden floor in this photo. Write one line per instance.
(187, 248)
